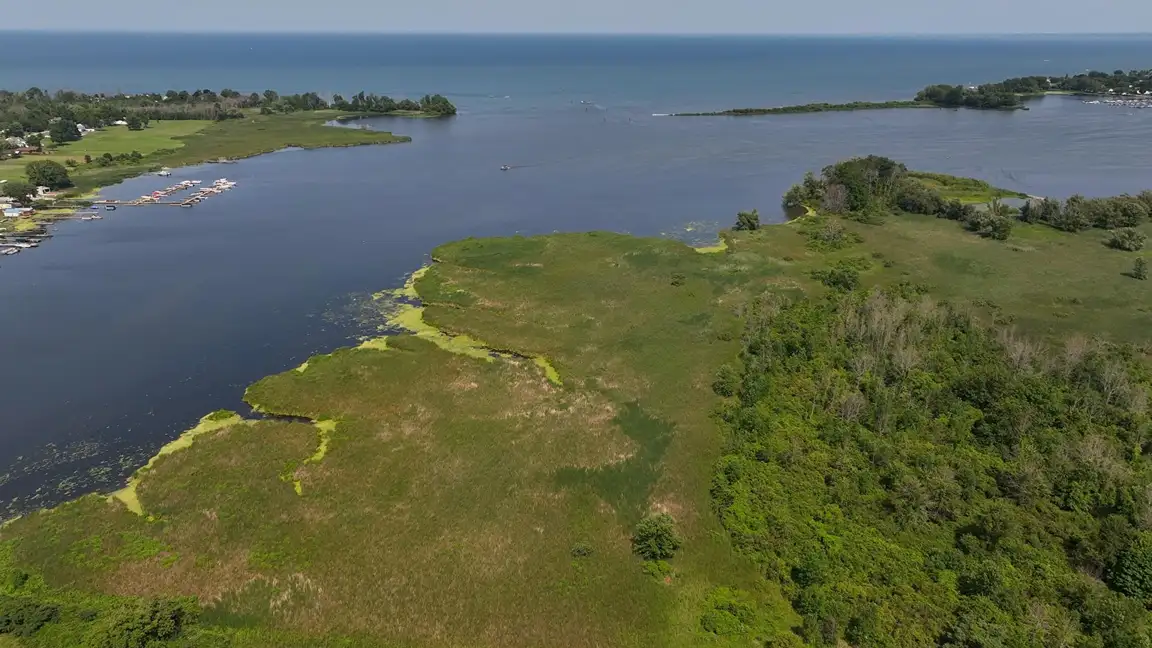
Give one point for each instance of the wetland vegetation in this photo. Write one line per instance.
(865, 426)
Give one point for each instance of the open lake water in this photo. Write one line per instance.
(118, 334)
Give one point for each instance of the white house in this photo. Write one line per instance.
(119, 122)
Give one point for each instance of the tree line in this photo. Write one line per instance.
(437, 105)
(35, 110)
(1007, 94)
(866, 188)
(910, 478)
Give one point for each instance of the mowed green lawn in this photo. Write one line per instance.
(115, 140)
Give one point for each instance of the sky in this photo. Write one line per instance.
(592, 16)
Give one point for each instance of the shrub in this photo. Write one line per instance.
(657, 569)
(957, 211)
(726, 382)
(1140, 269)
(989, 224)
(829, 234)
(22, 617)
(582, 550)
(656, 538)
(916, 198)
(747, 221)
(842, 276)
(1074, 217)
(1126, 238)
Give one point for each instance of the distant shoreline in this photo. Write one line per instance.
(1009, 94)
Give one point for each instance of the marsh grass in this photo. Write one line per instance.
(453, 489)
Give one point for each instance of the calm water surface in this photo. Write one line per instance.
(118, 334)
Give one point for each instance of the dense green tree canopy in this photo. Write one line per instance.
(35, 110)
(48, 173)
(911, 478)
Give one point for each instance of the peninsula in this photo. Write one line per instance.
(57, 149)
(916, 416)
(1009, 94)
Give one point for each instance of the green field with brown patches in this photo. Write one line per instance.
(453, 488)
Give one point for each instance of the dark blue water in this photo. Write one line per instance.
(118, 334)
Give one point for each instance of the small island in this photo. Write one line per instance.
(1009, 94)
(58, 149)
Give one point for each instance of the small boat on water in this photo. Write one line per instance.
(109, 207)
(505, 167)
(87, 218)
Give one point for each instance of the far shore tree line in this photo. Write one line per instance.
(1007, 94)
(37, 111)
(868, 188)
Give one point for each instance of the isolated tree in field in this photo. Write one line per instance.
(135, 123)
(48, 173)
(656, 538)
(22, 192)
(1140, 269)
(747, 221)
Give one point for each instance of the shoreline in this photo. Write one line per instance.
(803, 109)
(407, 318)
(214, 142)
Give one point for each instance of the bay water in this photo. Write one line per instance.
(118, 334)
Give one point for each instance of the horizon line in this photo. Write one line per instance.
(420, 32)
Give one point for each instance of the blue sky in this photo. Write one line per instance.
(586, 16)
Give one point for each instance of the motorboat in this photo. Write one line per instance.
(505, 167)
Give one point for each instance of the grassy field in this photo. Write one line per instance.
(966, 190)
(180, 143)
(439, 499)
(114, 140)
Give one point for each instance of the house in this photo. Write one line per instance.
(16, 212)
(119, 122)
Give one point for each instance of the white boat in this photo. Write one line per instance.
(11, 250)
(163, 174)
(86, 218)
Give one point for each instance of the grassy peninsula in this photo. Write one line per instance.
(92, 141)
(867, 427)
(1009, 94)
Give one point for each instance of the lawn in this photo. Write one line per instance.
(115, 140)
(180, 143)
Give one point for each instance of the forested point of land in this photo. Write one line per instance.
(1009, 94)
(35, 110)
